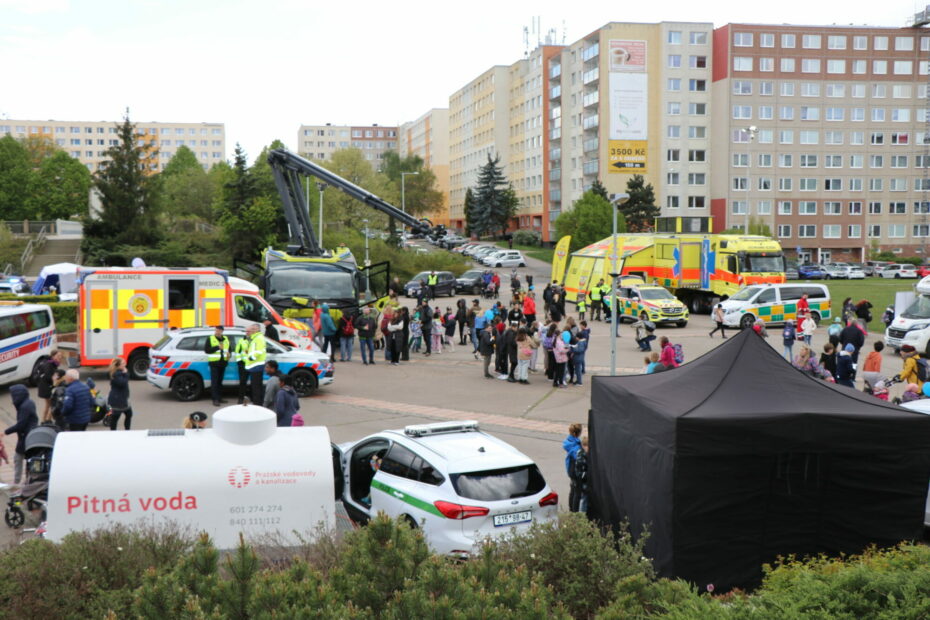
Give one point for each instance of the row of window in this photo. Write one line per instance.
(830, 207)
(833, 66)
(786, 160)
(810, 184)
(153, 131)
(694, 38)
(834, 42)
(162, 154)
(830, 113)
(787, 88)
(853, 231)
(812, 136)
(694, 61)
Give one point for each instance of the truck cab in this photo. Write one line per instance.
(250, 307)
(912, 326)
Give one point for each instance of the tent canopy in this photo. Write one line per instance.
(60, 275)
(739, 457)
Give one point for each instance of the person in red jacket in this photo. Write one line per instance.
(529, 308)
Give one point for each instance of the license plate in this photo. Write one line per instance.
(513, 518)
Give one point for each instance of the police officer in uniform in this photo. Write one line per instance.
(596, 301)
(240, 356)
(217, 350)
(605, 294)
(255, 360)
(431, 281)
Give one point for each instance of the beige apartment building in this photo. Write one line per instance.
(319, 142)
(428, 138)
(632, 99)
(820, 133)
(87, 141)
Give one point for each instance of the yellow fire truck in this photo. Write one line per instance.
(699, 267)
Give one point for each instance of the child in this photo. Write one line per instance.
(872, 368)
(580, 303)
(653, 364)
(437, 333)
(911, 393)
(450, 329)
(788, 335)
(416, 333)
(828, 359)
(579, 477)
(808, 325)
(578, 351)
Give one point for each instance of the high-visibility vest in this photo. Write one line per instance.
(432, 279)
(605, 290)
(581, 302)
(222, 352)
(596, 293)
(257, 352)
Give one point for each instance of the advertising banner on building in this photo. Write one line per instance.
(629, 105)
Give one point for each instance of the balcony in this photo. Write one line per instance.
(555, 134)
(555, 174)
(590, 145)
(554, 214)
(590, 77)
(591, 52)
(555, 155)
(555, 195)
(555, 92)
(591, 99)
(555, 72)
(589, 122)
(589, 167)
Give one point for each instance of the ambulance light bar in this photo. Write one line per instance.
(422, 430)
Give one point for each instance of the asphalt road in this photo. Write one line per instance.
(367, 399)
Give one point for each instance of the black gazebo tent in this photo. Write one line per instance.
(737, 458)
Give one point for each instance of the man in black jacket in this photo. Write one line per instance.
(486, 347)
(855, 335)
(366, 326)
(510, 337)
(426, 322)
(26, 420)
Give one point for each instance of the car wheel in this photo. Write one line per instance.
(522, 265)
(747, 321)
(498, 265)
(683, 324)
(897, 275)
(305, 381)
(138, 365)
(826, 277)
(411, 522)
(14, 517)
(187, 386)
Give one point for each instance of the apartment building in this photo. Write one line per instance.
(478, 129)
(319, 142)
(632, 99)
(87, 141)
(428, 138)
(820, 132)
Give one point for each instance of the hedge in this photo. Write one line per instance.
(29, 299)
(65, 314)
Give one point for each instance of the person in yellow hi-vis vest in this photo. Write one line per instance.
(581, 303)
(239, 356)
(605, 294)
(431, 281)
(596, 294)
(255, 360)
(217, 350)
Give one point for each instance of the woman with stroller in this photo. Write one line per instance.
(118, 398)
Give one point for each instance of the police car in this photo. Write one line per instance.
(457, 483)
(178, 363)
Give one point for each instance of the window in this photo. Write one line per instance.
(832, 231)
(674, 131)
(786, 112)
(787, 89)
(921, 207)
(766, 136)
(673, 155)
(875, 230)
(765, 160)
(856, 137)
(766, 64)
(836, 66)
(674, 61)
(875, 185)
(904, 44)
(807, 230)
(857, 114)
(673, 108)
(787, 40)
(833, 137)
(810, 41)
(764, 207)
(742, 87)
(697, 131)
(835, 89)
(900, 115)
(895, 231)
(836, 42)
(832, 161)
(674, 84)
(740, 160)
(833, 185)
(903, 67)
(810, 65)
(808, 184)
(877, 137)
(695, 202)
(696, 155)
(767, 39)
(697, 62)
(787, 65)
(807, 207)
(809, 137)
(697, 86)
(742, 111)
(876, 161)
(921, 230)
(810, 89)
(742, 39)
(674, 37)
(739, 207)
(740, 183)
(881, 43)
(181, 294)
(810, 113)
(697, 38)
(671, 202)
(902, 91)
(879, 67)
(784, 231)
(697, 109)
(742, 63)
(897, 185)
(784, 184)
(855, 208)
(696, 178)
(766, 112)
(860, 43)
(875, 208)
(899, 161)
(786, 136)
(784, 207)
(785, 160)
(766, 89)
(671, 178)
(878, 91)
(857, 67)
(808, 161)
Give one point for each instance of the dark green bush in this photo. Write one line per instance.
(29, 299)
(65, 315)
(527, 237)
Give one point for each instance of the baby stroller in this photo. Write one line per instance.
(39, 445)
(490, 291)
(101, 410)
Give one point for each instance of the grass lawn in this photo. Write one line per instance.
(879, 291)
(543, 254)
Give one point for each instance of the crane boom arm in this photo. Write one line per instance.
(288, 168)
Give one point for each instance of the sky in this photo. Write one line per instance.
(265, 67)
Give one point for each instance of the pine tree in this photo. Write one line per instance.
(495, 201)
(640, 210)
(128, 204)
(598, 188)
(468, 206)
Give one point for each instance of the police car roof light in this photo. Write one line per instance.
(421, 430)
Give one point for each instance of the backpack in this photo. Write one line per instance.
(348, 329)
(679, 354)
(923, 369)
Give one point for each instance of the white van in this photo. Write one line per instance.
(775, 303)
(912, 326)
(27, 337)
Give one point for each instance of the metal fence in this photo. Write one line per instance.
(29, 227)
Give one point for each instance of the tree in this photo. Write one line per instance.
(420, 196)
(184, 160)
(640, 210)
(757, 226)
(38, 148)
(495, 201)
(248, 219)
(598, 188)
(341, 209)
(128, 205)
(15, 175)
(263, 176)
(468, 205)
(59, 188)
(589, 221)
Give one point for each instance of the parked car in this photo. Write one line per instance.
(178, 363)
(898, 270)
(505, 258)
(842, 271)
(791, 271)
(445, 284)
(483, 251)
(456, 483)
(14, 285)
(469, 282)
(810, 271)
(450, 241)
(460, 249)
(872, 267)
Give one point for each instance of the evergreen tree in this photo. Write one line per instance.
(468, 206)
(249, 220)
(598, 188)
(128, 205)
(495, 201)
(15, 175)
(640, 210)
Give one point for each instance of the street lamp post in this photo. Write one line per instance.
(321, 187)
(616, 201)
(367, 264)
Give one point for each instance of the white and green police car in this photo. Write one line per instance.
(457, 483)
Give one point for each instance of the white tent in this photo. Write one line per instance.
(63, 276)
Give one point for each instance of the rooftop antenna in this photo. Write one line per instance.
(526, 41)
(564, 32)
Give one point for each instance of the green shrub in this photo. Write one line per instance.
(527, 237)
(29, 299)
(65, 315)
